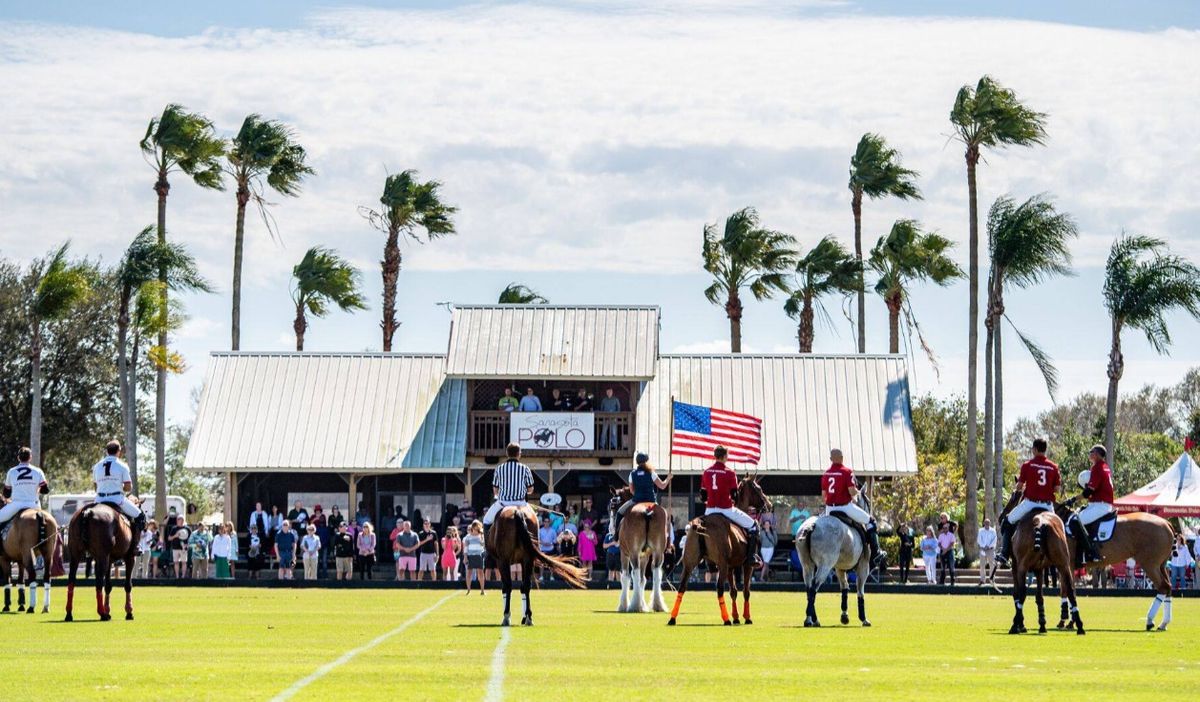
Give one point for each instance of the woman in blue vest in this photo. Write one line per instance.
(645, 484)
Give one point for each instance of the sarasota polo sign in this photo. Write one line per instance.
(553, 431)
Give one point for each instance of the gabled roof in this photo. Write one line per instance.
(352, 412)
(548, 342)
(808, 404)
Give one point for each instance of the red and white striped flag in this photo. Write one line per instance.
(698, 430)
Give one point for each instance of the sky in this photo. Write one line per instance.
(586, 144)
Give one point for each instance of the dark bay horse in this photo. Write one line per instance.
(33, 533)
(715, 539)
(511, 540)
(99, 531)
(1146, 538)
(643, 540)
(1038, 544)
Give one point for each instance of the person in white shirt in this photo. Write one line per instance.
(112, 480)
(986, 540)
(310, 548)
(24, 485)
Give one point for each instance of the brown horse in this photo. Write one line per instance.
(100, 531)
(722, 544)
(511, 541)
(33, 532)
(1146, 538)
(643, 540)
(1038, 544)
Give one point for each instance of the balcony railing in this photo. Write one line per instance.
(614, 433)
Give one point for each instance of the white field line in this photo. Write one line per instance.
(495, 688)
(348, 655)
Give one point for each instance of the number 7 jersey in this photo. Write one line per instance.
(110, 476)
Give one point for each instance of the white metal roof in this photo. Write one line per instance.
(808, 404)
(354, 412)
(549, 341)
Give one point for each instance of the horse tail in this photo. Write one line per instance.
(567, 571)
(1040, 536)
(41, 526)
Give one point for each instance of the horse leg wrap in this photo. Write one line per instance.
(1166, 614)
(128, 601)
(1158, 602)
(746, 608)
(99, 601)
(46, 595)
(675, 607)
(862, 608)
(724, 609)
(70, 596)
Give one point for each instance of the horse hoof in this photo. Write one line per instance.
(105, 617)
(845, 619)
(505, 622)
(736, 623)
(29, 611)
(748, 622)
(671, 621)
(1016, 629)
(68, 618)
(1041, 629)
(129, 616)
(866, 623)
(20, 608)
(528, 621)
(7, 608)
(46, 609)
(728, 623)
(1080, 632)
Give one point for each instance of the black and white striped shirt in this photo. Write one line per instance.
(514, 480)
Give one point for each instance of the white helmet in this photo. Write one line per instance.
(1084, 478)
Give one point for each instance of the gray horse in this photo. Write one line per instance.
(827, 544)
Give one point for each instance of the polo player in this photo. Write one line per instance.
(840, 489)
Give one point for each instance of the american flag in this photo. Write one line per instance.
(698, 430)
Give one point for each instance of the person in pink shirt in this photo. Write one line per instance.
(587, 547)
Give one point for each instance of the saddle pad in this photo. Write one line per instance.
(1105, 528)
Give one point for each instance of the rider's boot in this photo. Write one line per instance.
(752, 558)
(873, 543)
(1087, 549)
(1006, 535)
(139, 522)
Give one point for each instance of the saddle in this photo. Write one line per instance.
(860, 529)
(1098, 531)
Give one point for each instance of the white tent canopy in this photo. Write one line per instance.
(1175, 493)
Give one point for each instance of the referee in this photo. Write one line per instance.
(512, 482)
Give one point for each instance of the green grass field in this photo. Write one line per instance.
(253, 644)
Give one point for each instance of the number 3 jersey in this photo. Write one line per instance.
(1041, 478)
(26, 482)
(110, 476)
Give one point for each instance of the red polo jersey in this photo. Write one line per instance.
(718, 482)
(836, 484)
(1101, 483)
(1041, 478)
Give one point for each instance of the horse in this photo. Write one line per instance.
(100, 530)
(31, 533)
(1146, 538)
(1040, 542)
(827, 544)
(715, 539)
(643, 540)
(511, 541)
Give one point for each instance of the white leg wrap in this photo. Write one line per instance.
(624, 605)
(1166, 614)
(1158, 601)
(658, 604)
(46, 596)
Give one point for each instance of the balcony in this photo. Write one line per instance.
(614, 435)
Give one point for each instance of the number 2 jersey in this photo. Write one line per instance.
(1041, 478)
(110, 476)
(26, 482)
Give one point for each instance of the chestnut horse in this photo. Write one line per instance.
(643, 539)
(100, 531)
(715, 539)
(511, 540)
(1039, 543)
(33, 532)
(1146, 538)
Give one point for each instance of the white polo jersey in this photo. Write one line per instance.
(26, 482)
(110, 476)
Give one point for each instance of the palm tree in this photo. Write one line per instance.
(323, 278)
(745, 255)
(515, 294)
(987, 115)
(141, 265)
(1027, 244)
(826, 268)
(408, 205)
(875, 171)
(907, 255)
(58, 286)
(262, 150)
(1143, 282)
(177, 140)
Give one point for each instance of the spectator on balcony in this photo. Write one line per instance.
(608, 433)
(583, 402)
(558, 402)
(507, 403)
(530, 403)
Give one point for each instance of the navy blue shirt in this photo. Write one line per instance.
(644, 489)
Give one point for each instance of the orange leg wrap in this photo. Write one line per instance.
(724, 609)
(746, 609)
(678, 602)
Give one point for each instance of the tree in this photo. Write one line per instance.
(263, 150)
(826, 268)
(59, 286)
(875, 171)
(985, 116)
(1143, 282)
(408, 205)
(515, 294)
(1027, 244)
(905, 256)
(144, 260)
(745, 255)
(322, 278)
(177, 140)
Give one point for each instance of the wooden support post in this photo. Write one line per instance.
(231, 498)
(352, 507)
(469, 487)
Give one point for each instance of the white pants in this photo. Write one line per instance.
(122, 503)
(1087, 515)
(930, 569)
(494, 510)
(1025, 507)
(10, 510)
(851, 510)
(734, 515)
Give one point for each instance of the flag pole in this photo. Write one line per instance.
(670, 466)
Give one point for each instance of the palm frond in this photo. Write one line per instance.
(517, 294)
(876, 170)
(323, 279)
(1044, 363)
